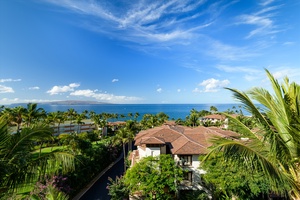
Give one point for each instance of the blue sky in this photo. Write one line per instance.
(144, 51)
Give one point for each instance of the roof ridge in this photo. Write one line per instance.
(192, 140)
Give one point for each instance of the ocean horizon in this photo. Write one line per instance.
(174, 111)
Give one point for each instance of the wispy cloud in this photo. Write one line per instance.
(104, 96)
(18, 100)
(266, 2)
(228, 52)
(9, 80)
(249, 73)
(146, 21)
(34, 88)
(5, 89)
(285, 71)
(288, 43)
(262, 20)
(237, 69)
(159, 90)
(115, 80)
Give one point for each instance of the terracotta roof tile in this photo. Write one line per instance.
(215, 116)
(183, 140)
(152, 140)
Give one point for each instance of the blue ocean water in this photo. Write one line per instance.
(174, 111)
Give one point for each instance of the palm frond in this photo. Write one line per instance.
(249, 106)
(22, 141)
(252, 155)
(4, 135)
(243, 129)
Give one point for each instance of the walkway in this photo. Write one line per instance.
(98, 191)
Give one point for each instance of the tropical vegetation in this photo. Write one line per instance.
(151, 178)
(272, 146)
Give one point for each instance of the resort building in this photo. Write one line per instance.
(185, 144)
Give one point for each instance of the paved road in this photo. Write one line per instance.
(98, 191)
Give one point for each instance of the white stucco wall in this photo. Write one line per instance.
(148, 151)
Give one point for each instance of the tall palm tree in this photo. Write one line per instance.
(33, 114)
(136, 116)
(123, 136)
(213, 109)
(18, 164)
(79, 122)
(71, 114)
(15, 115)
(193, 119)
(273, 148)
(99, 122)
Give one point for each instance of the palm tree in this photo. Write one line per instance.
(99, 122)
(33, 113)
(15, 115)
(273, 148)
(79, 122)
(18, 164)
(193, 119)
(136, 116)
(71, 114)
(58, 118)
(123, 136)
(130, 115)
(213, 109)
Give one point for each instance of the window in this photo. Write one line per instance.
(188, 176)
(185, 160)
(153, 145)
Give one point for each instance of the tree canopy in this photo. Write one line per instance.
(154, 177)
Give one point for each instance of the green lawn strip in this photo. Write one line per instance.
(25, 190)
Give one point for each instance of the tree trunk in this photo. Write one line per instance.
(124, 157)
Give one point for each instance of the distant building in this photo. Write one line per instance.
(217, 119)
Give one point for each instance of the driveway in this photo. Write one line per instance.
(98, 191)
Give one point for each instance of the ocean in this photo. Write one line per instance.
(174, 111)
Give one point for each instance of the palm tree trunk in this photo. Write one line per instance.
(124, 157)
(41, 148)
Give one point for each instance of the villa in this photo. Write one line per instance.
(185, 144)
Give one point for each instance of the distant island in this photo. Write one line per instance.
(67, 102)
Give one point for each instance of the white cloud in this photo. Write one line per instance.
(5, 89)
(227, 52)
(266, 2)
(144, 22)
(104, 96)
(63, 89)
(262, 21)
(5, 101)
(237, 69)
(115, 80)
(159, 90)
(9, 80)
(212, 85)
(288, 43)
(282, 72)
(34, 88)
(178, 90)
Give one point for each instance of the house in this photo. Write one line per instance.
(217, 119)
(185, 144)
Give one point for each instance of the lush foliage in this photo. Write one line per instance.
(51, 188)
(273, 146)
(117, 189)
(18, 165)
(154, 177)
(226, 180)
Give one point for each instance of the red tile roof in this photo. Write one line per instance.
(183, 140)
